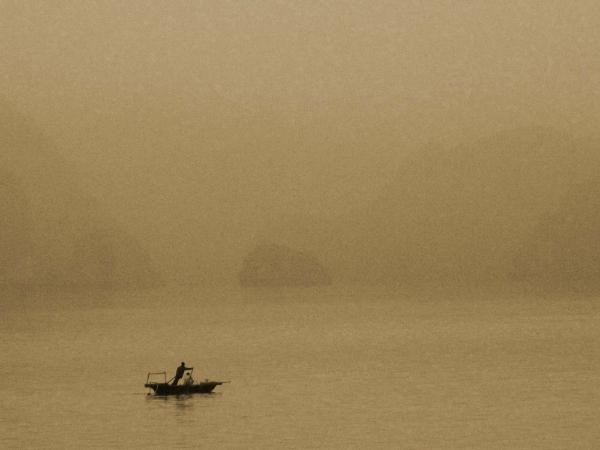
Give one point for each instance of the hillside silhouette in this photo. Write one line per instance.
(52, 233)
(453, 215)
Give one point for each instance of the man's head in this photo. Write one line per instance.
(183, 364)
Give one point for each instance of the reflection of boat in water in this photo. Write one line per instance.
(165, 388)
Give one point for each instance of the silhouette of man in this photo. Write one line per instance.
(179, 373)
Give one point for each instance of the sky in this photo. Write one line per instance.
(208, 119)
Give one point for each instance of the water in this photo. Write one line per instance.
(309, 368)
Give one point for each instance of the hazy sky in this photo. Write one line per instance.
(204, 111)
(314, 93)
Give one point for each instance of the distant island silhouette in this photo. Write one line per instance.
(278, 265)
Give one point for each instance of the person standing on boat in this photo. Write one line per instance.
(179, 373)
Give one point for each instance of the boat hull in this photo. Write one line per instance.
(205, 387)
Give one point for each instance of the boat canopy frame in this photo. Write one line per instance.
(164, 374)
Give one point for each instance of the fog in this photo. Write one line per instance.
(400, 141)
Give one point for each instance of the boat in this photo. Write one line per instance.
(166, 388)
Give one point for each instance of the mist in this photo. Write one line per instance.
(396, 142)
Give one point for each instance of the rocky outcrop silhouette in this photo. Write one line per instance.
(563, 251)
(272, 265)
(15, 229)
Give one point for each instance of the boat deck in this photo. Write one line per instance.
(205, 387)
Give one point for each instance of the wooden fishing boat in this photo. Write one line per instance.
(166, 388)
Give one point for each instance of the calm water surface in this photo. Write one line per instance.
(309, 368)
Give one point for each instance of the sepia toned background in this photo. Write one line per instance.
(201, 127)
(424, 157)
